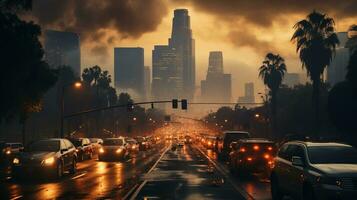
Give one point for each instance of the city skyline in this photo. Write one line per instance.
(243, 38)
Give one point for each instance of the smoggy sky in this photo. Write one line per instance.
(244, 30)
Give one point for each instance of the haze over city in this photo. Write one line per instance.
(234, 27)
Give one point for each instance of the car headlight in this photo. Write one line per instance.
(119, 150)
(16, 161)
(49, 161)
(101, 150)
(8, 152)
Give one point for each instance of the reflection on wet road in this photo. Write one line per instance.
(93, 180)
(185, 174)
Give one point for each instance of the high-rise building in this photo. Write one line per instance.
(181, 40)
(249, 96)
(337, 69)
(147, 82)
(63, 48)
(166, 73)
(129, 71)
(291, 79)
(217, 87)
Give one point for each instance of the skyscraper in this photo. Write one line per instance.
(181, 40)
(166, 73)
(217, 86)
(291, 79)
(249, 96)
(147, 82)
(63, 48)
(337, 70)
(129, 71)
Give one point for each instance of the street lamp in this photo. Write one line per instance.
(76, 85)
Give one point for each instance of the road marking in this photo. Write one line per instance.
(17, 197)
(244, 193)
(79, 176)
(135, 194)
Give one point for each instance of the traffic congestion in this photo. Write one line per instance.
(236, 161)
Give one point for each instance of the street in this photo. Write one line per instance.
(163, 172)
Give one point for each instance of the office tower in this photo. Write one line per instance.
(337, 70)
(129, 71)
(63, 48)
(147, 82)
(291, 79)
(249, 96)
(166, 73)
(181, 40)
(217, 87)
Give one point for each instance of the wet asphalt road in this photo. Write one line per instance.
(93, 180)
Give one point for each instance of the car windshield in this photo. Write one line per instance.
(77, 143)
(112, 142)
(332, 155)
(45, 145)
(93, 140)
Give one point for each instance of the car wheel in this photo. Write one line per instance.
(308, 192)
(74, 167)
(59, 170)
(276, 192)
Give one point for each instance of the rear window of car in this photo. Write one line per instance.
(112, 142)
(332, 155)
(230, 137)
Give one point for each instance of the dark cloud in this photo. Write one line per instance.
(264, 12)
(130, 18)
(243, 38)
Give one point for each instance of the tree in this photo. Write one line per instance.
(316, 41)
(26, 75)
(272, 72)
(91, 75)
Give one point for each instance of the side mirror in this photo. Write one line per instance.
(297, 161)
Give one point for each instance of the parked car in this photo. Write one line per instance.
(49, 157)
(252, 155)
(96, 144)
(223, 144)
(315, 170)
(113, 149)
(84, 148)
(209, 142)
(8, 150)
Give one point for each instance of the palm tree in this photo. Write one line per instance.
(316, 42)
(272, 72)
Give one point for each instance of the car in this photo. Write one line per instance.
(8, 150)
(188, 139)
(252, 155)
(223, 144)
(48, 157)
(315, 170)
(96, 144)
(84, 148)
(113, 149)
(143, 143)
(209, 142)
(133, 145)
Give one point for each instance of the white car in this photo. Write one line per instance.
(113, 149)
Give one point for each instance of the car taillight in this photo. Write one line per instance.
(270, 148)
(266, 156)
(256, 147)
(242, 150)
(249, 159)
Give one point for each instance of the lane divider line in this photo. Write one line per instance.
(244, 193)
(137, 191)
(17, 197)
(79, 176)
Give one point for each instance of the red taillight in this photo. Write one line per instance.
(266, 156)
(249, 159)
(270, 148)
(256, 147)
(242, 150)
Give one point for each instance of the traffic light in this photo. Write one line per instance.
(174, 103)
(184, 104)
